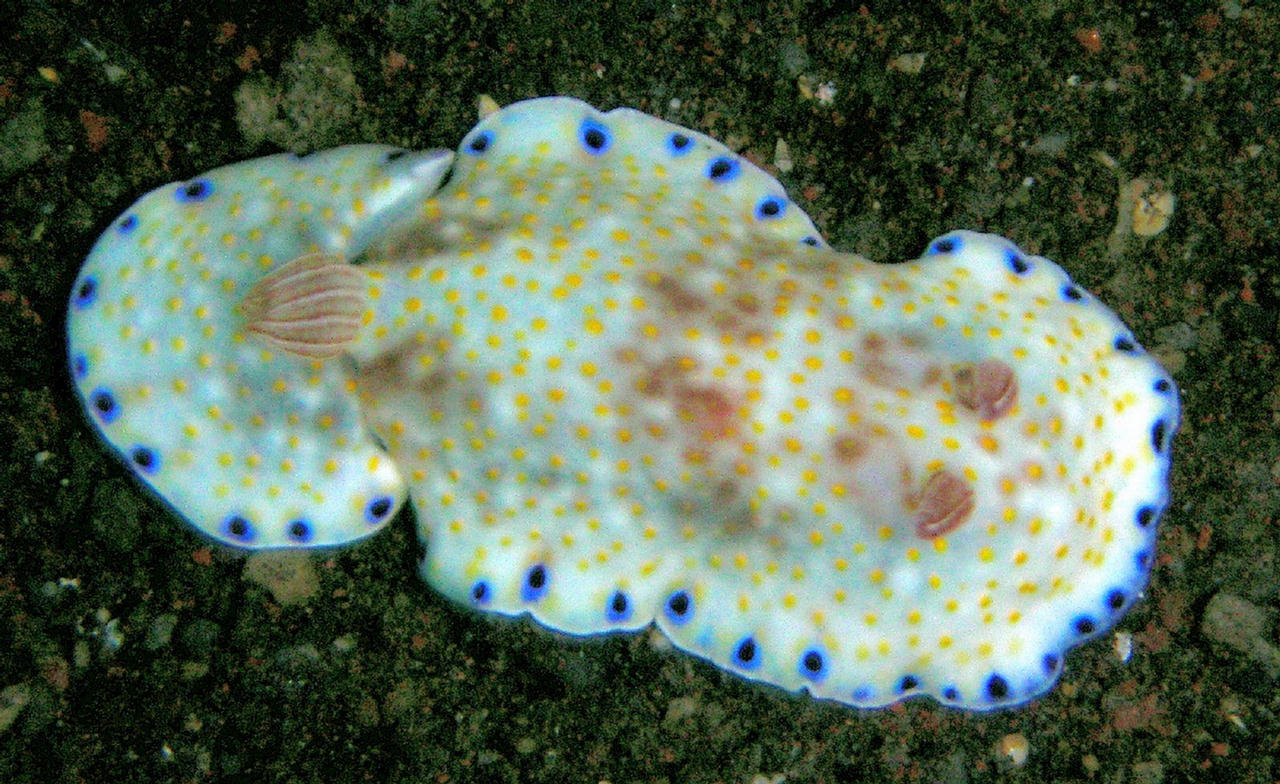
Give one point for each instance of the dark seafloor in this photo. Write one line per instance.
(133, 651)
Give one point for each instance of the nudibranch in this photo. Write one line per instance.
(626, 382)
(254, 445)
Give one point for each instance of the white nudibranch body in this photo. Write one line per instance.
(626, 382)
(253, 446)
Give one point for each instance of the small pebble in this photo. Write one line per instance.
(290, 575)
(782, 157)
(1152, 210)
(12, 700)
(1123, 646)
(910, 63)
(1014, 748)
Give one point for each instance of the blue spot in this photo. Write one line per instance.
(238, 528)
(128, 224)
(678, 143)
(950, 694)
(1158, 431)
(770, 207)
(595, 137)
(945, 245)
(747, 654)
(1072, 293)
(376, 510)
(811, 241)
(147, 461)
(80, 366)
(300, 531)
(535, 583)
(679, 607)
(1084, 626)
(862, 694)
(104, 405)
(908, 683)
(1143, 560)
(1146, 516)
(1014, 259)
(194, 191)
(813, 665)
(997, 688)
(86, 292)
(1125, 345)
(480, 593)
(1116, 599)
(1162, 386)
(618, 608)
(480, 143)
(394, 155)
(722, 169)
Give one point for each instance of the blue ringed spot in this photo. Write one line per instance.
(535, 584)
(618, 608)
(811, 241)
(679, 607)
(1162, 386)
(299, 531)
(1146, 516)
(104, 405)
(945, 245)
(86, 292)
(1084, 626)
(147, 461)
(480, 143)
(1116, 599)
(678, 143)
(376, 510)
(80, 366)
(128, 224)
(1072, 293)
(746, 654)
(722, 169)
(770, 207)
(997, 688)
(1125, 345)
(595, 137)
(194, 191)
(394, 155)
(237, 527)
(1158, 432)
(950, 693)
(1016, 263)
(813, 665)
(1050, 663)
(1143, 560)
(480, 592)
(908, 683)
